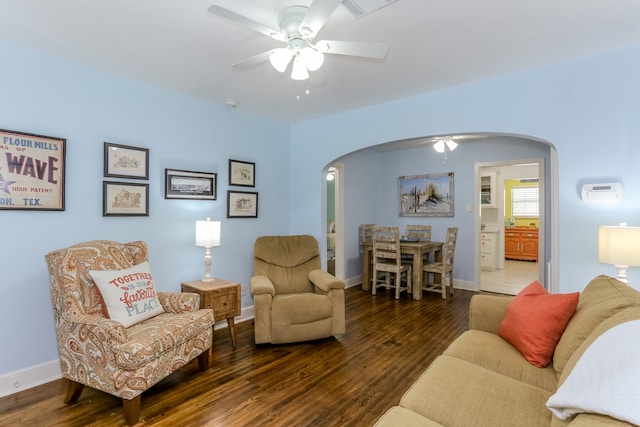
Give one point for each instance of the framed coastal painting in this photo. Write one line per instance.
(426, 195)
(32, 170)
(242, 173)
(123, 161)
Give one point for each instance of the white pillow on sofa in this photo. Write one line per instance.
(605, 379)
(129, 295)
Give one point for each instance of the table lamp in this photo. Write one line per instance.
(207, 235)
(620, 246)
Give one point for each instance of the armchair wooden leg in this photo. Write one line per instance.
(73, 392)
(131, 410)
(203, 361)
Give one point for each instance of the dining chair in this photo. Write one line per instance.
(366, 236)
(422, 232)
(442, 268)
(387, 261)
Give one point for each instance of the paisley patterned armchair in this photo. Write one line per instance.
(101, 353)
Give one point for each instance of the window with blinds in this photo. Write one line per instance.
(524, 202)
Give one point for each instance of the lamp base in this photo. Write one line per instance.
(622, 273)
(207, 279)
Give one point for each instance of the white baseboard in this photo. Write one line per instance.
(24, 379)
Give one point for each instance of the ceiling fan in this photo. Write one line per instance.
(299, 26)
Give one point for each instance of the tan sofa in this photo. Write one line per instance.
(481, 380)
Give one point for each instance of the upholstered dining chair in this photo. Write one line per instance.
(442, 269)
(294, 299)
(387, 260)
(87, 283)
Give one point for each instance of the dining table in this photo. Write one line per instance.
(416, 249)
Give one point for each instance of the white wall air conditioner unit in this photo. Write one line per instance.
(602, 193)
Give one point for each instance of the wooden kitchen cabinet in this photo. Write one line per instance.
(521, 243)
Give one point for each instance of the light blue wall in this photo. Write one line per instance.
(588, 109)
(47, 96)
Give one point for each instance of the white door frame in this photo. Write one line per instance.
(551, 278)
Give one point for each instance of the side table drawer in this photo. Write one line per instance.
(226, 303)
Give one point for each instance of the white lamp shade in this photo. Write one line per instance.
(299, 71)
(312, 58)
(439, 146)
(280, 58)
(619, 245)
(451, 144)
(208, 233)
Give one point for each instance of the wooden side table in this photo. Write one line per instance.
(222, 296)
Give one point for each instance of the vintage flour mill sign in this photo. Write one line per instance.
(31, 171)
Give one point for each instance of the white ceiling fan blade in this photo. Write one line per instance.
(318, 13)
(246, 22)
(253, 60)
(365, 50)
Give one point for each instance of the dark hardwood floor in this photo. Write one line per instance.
(346, 381)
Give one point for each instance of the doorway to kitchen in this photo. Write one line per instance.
(512, 225)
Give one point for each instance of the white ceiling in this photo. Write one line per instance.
(433, 44)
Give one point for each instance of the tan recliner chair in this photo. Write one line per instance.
(294, 300)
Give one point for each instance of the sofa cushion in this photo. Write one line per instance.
(399, 416)
(492, 352)
(150, 339)
(605, 379)
(454, 392)
(535, 320)
(129, 295)
(602, 298)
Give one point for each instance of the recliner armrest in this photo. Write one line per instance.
(261, 285)
(325, 280)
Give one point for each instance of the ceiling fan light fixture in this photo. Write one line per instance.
(439, 146)
(312, 58)
(299, 71)
(280, 58)
(451, 144)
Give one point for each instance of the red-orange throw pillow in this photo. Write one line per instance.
(535, 321)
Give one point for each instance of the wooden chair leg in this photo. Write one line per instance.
(131, 410)
(73, 392)
(203, 360)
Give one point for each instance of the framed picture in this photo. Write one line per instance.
(179, 184)
(242, 173)
(242, 204)
(125, 199)
(32, 169)
(122, 161)
(426, 195)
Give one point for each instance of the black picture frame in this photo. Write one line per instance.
(182, 184)
(125, 199)
(125, 161)
(242, 204)
(241, 173)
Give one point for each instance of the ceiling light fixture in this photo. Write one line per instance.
(440, 144)
(299, 71)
